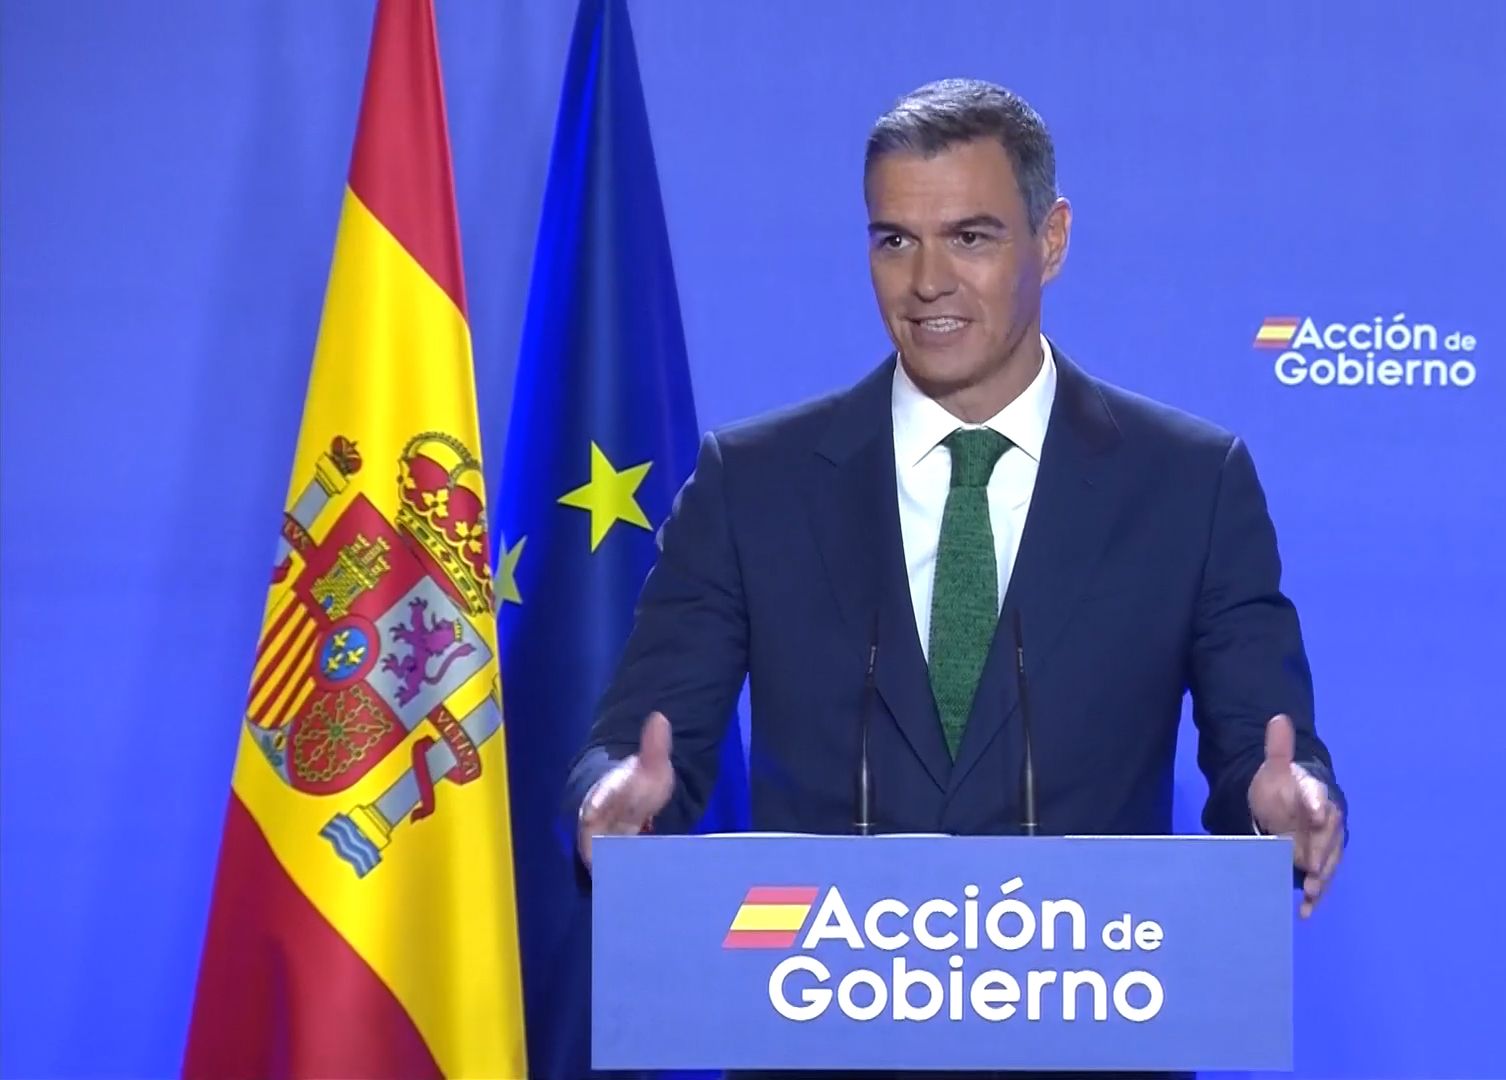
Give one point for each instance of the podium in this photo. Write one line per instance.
(777, 951)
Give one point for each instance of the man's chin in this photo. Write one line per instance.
(939, 372)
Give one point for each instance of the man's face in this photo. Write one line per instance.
(956, 269)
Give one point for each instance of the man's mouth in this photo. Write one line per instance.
(941, 324)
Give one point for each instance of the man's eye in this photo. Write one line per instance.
(968, 238)
(893, 242)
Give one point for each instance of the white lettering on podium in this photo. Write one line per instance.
(954, 983)
(813, 1001)
(996, 914)
(1010, 924)
(864, 994)
(923, 934)
(994, 994)
(1072, 981)
(1148, 936)
(1036, 981)
(875, 983)
(904, 979)
(1144, 1012)
(888, 942)
(833, 922)
(800, 986)
(1050, 910)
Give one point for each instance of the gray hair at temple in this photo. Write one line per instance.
(942, 114)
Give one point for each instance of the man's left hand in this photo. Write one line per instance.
(1287, 800)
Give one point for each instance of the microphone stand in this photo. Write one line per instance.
(863, 826)
(1028, 820)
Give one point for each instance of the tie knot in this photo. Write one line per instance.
(975, 452)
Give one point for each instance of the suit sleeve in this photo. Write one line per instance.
(686, 655)
(1248, 660)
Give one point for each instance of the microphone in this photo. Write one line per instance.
(1028, 822)
(863, 826)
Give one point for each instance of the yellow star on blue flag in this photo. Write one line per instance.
(609, 496)
(507, 572)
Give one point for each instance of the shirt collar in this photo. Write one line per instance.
(920, 423)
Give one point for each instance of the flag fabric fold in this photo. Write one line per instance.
(363, 919)
(602, 434)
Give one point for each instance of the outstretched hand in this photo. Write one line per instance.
(625, 800)
(1287, 800)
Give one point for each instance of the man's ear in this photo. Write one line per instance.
(1054, 236)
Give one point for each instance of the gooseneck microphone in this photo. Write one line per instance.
(1028, 822)
(863, 825)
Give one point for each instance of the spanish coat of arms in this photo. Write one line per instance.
(374, 631)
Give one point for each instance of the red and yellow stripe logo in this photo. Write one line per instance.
(1277, 332)
(770, 917)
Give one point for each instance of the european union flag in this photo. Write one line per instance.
(603, 433)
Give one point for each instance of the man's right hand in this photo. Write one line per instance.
(624, 801)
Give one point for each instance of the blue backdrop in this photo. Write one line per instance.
(170, 176)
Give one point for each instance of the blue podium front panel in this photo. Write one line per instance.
(811, 952)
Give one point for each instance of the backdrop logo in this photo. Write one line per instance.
(1372, 353)
(770, 917)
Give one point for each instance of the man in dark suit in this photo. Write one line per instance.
(975, 474)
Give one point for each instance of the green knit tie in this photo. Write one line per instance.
(965, 593)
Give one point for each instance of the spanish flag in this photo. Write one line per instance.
(363, 920)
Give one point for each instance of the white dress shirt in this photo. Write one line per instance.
(923, 468)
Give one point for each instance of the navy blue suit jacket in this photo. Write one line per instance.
(1148, 568)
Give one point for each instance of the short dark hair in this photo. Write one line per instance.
(942, 114)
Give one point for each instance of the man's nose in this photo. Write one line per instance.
(933, 277)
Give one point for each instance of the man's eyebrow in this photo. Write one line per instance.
(977, 221)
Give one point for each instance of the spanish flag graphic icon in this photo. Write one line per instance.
(1276, 332)
(770, 917)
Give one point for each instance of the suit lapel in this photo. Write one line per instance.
(854, 507)
(1066, 532)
